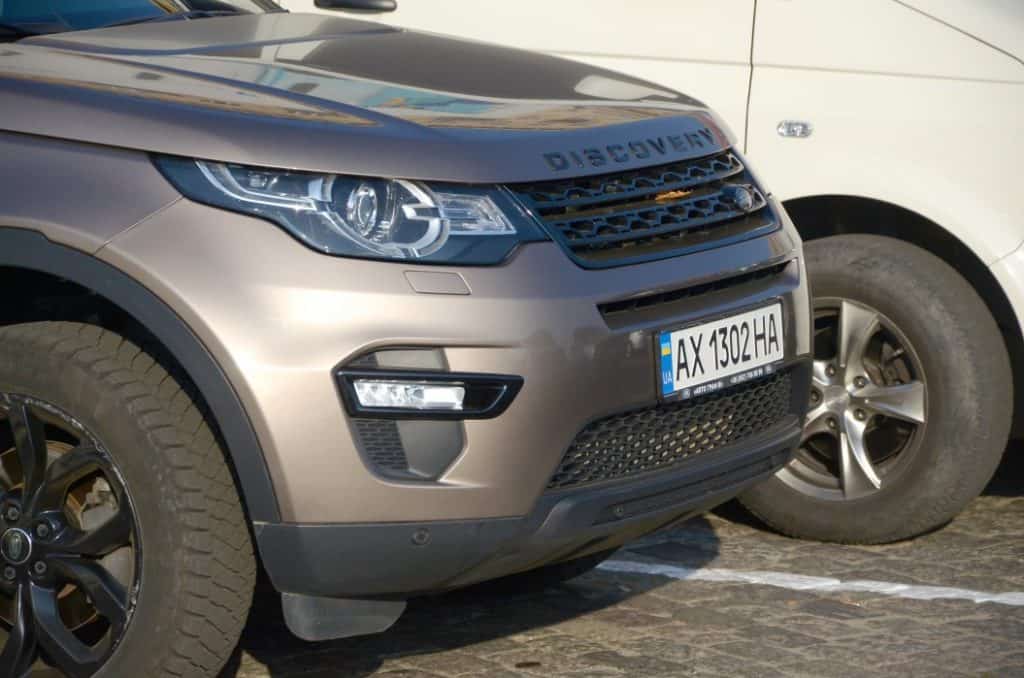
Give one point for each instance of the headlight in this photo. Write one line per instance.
(352, 216)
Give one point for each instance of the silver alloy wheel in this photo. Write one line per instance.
(868, 405)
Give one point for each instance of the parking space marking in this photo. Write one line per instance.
(799, 582)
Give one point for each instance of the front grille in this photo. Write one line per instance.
(759, 276)
(668, 434)
(651, 213)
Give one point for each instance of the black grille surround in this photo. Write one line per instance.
(651, 213)
(759, 276)
(668, 434)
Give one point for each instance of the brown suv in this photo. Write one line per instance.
(380, 312)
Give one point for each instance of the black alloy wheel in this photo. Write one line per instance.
(69, 549)
(124, 546)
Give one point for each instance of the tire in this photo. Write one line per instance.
(967, 405)
(194, 566)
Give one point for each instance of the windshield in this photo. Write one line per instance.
(55, 16)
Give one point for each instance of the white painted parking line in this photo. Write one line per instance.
(799, 582)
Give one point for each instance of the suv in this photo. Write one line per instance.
(891, 131)
(389, 312)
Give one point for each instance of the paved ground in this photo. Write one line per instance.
(706, 618)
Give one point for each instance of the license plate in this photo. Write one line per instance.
(703, 358)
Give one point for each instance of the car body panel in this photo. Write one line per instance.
(280, 317)
(996, 22)
(319, 560)
(929, 150)
(262, 323)
(1009, 272)
(693, 46)
(938, 146)
(873, 36)
(912, 103)
(378, 102)
(22, 249)
(75, 193)
(322, 93)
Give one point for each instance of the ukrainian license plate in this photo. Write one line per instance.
(707, 357)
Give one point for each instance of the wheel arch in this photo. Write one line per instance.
(28, 258)
(821, 216)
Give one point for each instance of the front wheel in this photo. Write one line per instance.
(124, 550)
(911, 398)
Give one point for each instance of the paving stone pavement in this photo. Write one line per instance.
(613, 624)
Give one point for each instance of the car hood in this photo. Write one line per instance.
(329, 94)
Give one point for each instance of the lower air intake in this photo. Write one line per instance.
(668, 434)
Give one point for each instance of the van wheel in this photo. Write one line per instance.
(911, 399)
(124, 550)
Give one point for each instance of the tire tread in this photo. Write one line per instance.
(220, 567)
(984, 405)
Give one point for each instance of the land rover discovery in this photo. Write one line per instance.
(378, 312)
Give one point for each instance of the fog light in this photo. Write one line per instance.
(405, 395)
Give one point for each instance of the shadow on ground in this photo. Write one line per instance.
(488, 615)
(483, 614)
(1009, 479)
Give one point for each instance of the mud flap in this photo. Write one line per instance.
(315, 618)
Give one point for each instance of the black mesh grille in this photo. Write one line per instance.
(615, 219)
(381, 443)
(668, 434)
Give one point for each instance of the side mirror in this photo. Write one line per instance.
(359, 5)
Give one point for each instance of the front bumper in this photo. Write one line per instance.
(403, 559)
(280, 319)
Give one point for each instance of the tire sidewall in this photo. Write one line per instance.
(106, 412)
(968, 405)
